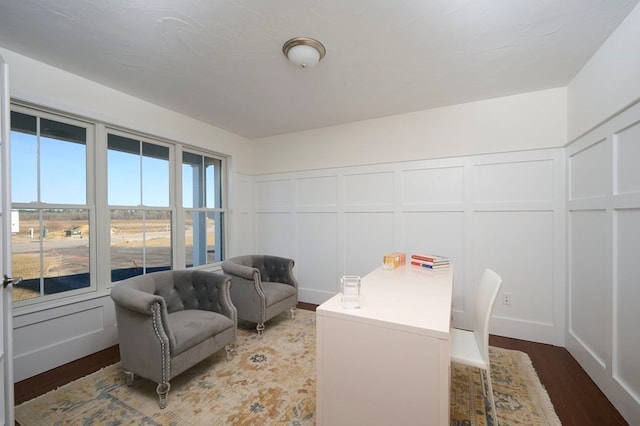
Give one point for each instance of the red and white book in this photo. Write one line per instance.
(430, 259)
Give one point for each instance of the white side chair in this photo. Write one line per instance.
(471, 347)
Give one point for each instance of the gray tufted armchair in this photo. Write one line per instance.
(263, 286)
(169, 321)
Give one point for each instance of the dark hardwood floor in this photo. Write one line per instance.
(576, 398)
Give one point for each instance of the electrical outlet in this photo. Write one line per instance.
(506, 299)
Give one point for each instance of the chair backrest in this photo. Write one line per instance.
(485, 299)
(271, 268)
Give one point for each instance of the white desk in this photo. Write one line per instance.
(387, 363)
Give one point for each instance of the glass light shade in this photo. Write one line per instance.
(304, 55)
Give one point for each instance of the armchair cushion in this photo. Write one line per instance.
(275, 292)
(192, 326)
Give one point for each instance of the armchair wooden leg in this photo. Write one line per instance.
(163, 392)
(293, 312)
(128, 377)
(260, 328)
(230, 350)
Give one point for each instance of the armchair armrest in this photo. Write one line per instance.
(242, 271)
(135, 300)
(139, 302)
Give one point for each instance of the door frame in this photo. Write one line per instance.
(6, 328)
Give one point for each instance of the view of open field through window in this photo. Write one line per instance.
(65, 246)
(49, 247)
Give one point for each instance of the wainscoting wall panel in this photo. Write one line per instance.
(371, 191)
(589, 317)
(529, 181)
(590, 175)
(240, 218)
(626, 370)
(377, 229)
(316, 261)
(54, 330)
(274, 195)
(501, 210)
(519, 245)
(273, 232)
(604, 248)
(442, 229)
(317, 193)
(423, 187)
(49, 337)
(627, 152)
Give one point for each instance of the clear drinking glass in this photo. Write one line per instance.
(350, 288)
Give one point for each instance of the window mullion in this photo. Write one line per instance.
(38, 161)
(141, 177)
(41, 245)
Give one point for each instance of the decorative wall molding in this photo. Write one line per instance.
(63, 331)
(504, 211)
(603, 210)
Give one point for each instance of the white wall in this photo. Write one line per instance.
(604, 249)
(609, 82)
(49, 334)
(521, 122)
(503, 211)
(336, 199)
(44, 85)
(604, 218)
(242, 228)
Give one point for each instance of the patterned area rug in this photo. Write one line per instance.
(520, 397)
(270, 381)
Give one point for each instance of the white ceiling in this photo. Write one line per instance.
(221, 62)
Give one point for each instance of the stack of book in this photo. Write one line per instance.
(430, 261)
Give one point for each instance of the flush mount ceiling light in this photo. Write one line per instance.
(304, 52)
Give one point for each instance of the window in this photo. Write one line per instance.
(202, 200)
(52, 231)
(93, 205)
(140, 216)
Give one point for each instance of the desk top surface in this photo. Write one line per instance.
(408, 298)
